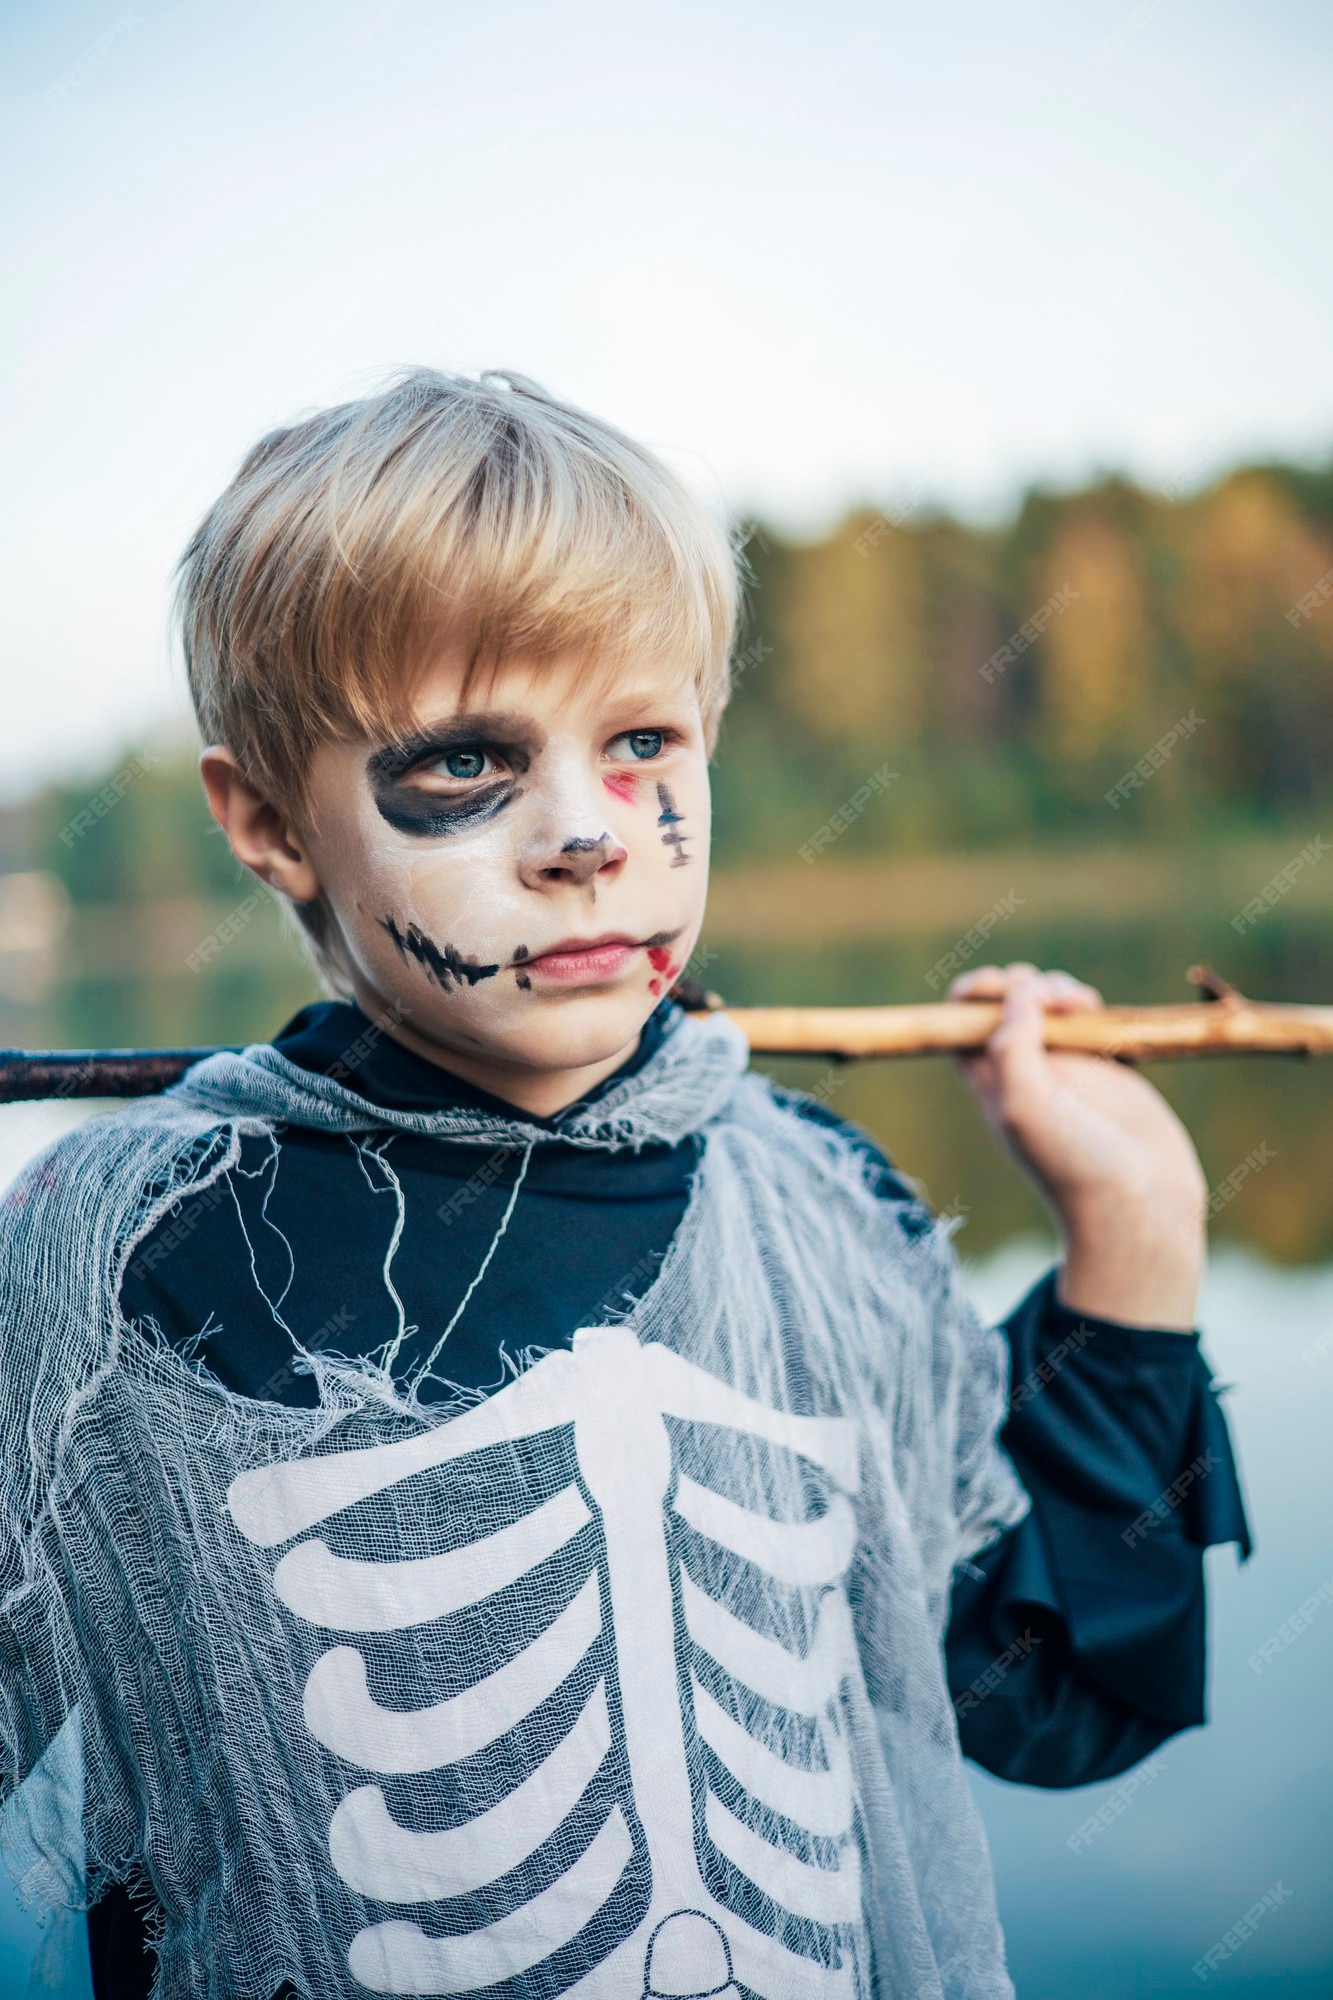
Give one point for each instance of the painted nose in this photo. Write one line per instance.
(584, 856)
(576, 859)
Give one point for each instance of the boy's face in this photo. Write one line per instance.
(473, 866)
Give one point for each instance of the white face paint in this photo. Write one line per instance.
(547, 814)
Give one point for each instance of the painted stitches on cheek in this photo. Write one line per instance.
(672, 821)
(447, 967)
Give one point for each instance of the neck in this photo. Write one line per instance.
(540, 1092)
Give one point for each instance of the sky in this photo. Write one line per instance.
(859, 252)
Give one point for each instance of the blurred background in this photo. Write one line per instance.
(1006, 334)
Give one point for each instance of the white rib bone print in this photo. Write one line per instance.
(618, 1396)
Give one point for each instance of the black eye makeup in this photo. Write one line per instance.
(455, 754)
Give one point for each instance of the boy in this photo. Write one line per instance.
(491, 1474)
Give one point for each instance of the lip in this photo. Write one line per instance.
(584, 961)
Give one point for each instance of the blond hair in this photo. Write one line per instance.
(483, 515)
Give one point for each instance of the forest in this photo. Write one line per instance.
(1093, 734)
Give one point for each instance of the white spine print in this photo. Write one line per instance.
(617, 1395)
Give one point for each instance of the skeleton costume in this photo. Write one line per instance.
(624, 1678)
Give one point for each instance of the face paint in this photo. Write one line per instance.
(660, 960)
(670, 818)
(446, 966)
(426, 815)
(439, 848)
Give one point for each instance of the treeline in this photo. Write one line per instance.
(971, 686)
(1013, 677)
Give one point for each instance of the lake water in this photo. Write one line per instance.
(1223, 1817)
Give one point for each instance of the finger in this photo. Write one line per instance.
(1066, 995)
(984, 982)
(1017, 1048)
(1061, 991)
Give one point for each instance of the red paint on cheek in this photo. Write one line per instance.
(623, 784)
(660, 960)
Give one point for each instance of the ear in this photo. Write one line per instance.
(262, 835)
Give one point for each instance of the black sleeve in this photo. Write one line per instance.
(1076, 1644)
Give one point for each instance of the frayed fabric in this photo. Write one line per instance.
(626, 1679)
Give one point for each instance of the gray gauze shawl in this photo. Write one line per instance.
(624, 1679)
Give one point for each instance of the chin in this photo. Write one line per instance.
(554, 1031)
(573, 1030)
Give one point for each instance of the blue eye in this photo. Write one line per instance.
(465, 763)
(643, 742)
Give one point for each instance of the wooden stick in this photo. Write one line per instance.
(33, 1073)
(1132, 1034)
(1224, 1024)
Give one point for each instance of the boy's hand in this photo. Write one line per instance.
(1109, 1156)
